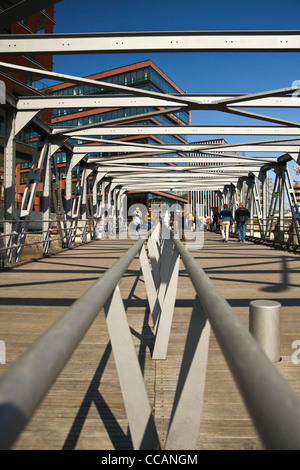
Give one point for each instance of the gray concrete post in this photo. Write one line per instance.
(264, 324)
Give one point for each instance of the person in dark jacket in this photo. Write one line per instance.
(241, 216)
(226, 218)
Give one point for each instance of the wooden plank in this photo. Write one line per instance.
(84, 409)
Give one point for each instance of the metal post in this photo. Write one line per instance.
(272, 404)
(68, 201)
(281, 202)
(264, 324)
(26, 382)
(9, 183)
(263, 178)
(186, 413)
(46, 205)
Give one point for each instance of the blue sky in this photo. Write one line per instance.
(193, 72)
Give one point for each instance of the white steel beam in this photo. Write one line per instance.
(181, 160)
(186, 130)
(194, 180)
(193, 147)
(171, 187)
(23, 9)
(88, 81)
(190, 41)
(259, 116)
(214, 169)
(102, 101)
(108, 101)
(274, 148)
(115, 121)
(179, 179)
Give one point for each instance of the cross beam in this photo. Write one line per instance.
(187, 41)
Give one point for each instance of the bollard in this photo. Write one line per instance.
(2, 353)
(264, 324)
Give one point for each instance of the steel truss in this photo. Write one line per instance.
(261, 387)
(236, 172)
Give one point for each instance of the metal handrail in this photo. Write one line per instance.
(272, 404)
(26, 382)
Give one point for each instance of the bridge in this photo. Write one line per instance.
(98, 357)
(112, 341)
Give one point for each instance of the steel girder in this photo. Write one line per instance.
(186, 130)
(187, 41)
(110, 101)
(22, 10)
(114, 175)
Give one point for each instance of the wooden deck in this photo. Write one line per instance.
(84, 408)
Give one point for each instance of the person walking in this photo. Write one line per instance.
(215, 223)
(226, 218)
(241, 217)
(149, 219)
(137, 219)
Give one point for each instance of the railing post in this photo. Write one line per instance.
(271, 402)
(2, 353)
(264, 324)
(141, 422)
(186, 413)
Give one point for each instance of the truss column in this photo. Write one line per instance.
(239, 188)
(219, 198)
(100, 197)
(96, 193)
(225, 195)
(103, 205)
(262, 177)
(272, 207)
(89, 203)
(9, 182)
(46, 205)
(28, 200)
(257, 203)
(122, 210)
(76, 203)
(112, 209)
(248, 203)
(58, 202)
(244, 191)
(281, 174)
(232, 202)
(69, 178)
(295, 235)
(252, 205)
(110, 199)
(84, 204)
(69, 197)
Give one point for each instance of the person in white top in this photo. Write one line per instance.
(137, 220)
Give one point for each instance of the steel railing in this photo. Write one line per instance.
(27, 381)
(58, 236)
(272, 404)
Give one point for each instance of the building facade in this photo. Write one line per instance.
(23, 19)
(144, 75)
(205, 202)
(37, 22)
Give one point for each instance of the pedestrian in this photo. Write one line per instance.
(226, 218)
(149, 219)
(137, 220)
(241, 217)
(215, 225)
(190, 221)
